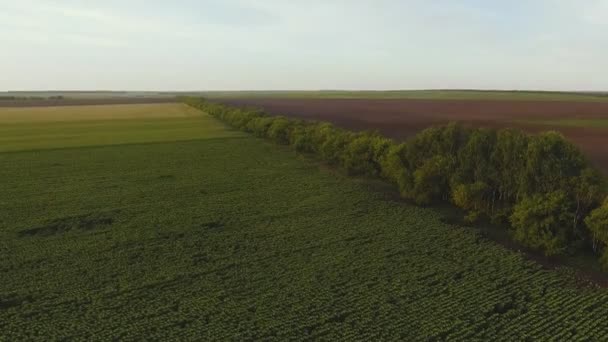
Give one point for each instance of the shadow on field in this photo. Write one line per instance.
(583, 269)
(10, 300)
(62, 225)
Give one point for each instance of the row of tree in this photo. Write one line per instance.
(540, 185)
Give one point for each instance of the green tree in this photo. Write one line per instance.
(301, 137)
(551, 163)
(259, 126)
(472, 198)
(320, 134)
(588, 190)
(474, 158)
(280, 129)
(396, 169)
(430, 182)
(597, 223)
(364, 154)
(541, 220)
(509, 162)
(334, 146)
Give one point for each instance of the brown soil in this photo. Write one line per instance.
(401, 118)
(83, 102)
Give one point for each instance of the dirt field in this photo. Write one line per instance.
(401, 118)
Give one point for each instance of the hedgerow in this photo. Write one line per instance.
(540, 186)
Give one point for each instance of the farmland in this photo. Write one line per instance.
(401, 118)
(163, 223)
(587, 123)
(35, 128)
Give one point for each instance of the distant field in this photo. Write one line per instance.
(84, 101)
(417, 94)
(76, 126)
(10, 115)
(514, 95)
(228, 237)
(585, 123)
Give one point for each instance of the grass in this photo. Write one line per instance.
(227, 237)
(584, 123)
(419, 94)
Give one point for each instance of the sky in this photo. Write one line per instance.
(303, 44)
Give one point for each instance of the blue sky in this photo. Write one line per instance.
(313, 44)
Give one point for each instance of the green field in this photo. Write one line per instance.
(204, 233)
(585, 123)
(417, 94)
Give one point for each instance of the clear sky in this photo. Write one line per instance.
(303, 44)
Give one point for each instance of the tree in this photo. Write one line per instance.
(597, 223)
(334, 146)
(473, 199)
(551, 163)
(363, 155)
(259, 126)
(474, 179)
(430, 182)
(540, 222)
(320, 134)
(588, 190)
(279, 130)
(509, 161)
(301, 137)
(474, 158)
(396, 168)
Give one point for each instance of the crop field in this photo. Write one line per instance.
(402, 118)
(82, 101)
(168, 234)
(33, 128)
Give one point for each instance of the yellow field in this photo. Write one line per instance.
(10, 115)
(39, 128)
